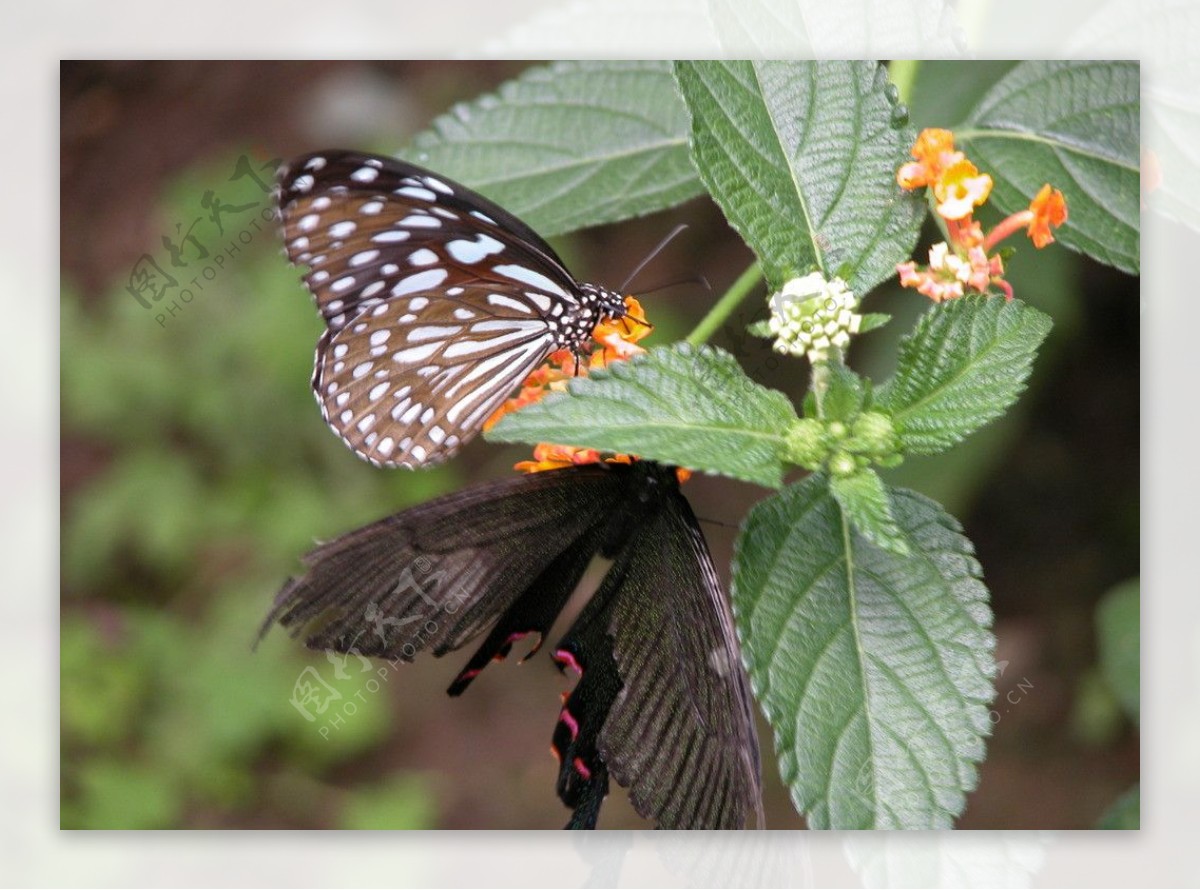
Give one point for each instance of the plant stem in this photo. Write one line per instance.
(903, 74)
(719, 313)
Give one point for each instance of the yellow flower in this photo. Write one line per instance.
(961, 189)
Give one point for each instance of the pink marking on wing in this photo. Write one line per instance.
(571, 722)
(562, 656)
(581, 768)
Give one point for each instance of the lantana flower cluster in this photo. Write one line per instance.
(613, 340)
(966, 261)
(810, 316)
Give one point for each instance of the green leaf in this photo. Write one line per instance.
(802, 158)
(761, 329)
(1074, 125)
(867, 506)
(1125, 814)
(846, 392)
(874, 670)
(1118, 628)
(873, 320)
(570, 145)
(963, 365)
(680, 405)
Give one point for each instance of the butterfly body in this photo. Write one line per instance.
(661, 703)
(437, 302)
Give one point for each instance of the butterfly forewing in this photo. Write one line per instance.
(458, 561)
(427, 289)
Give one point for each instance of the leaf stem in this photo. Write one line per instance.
(719, 314)
(903, 74)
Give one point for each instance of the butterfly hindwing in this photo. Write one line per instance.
(415, 377)
(680, 735)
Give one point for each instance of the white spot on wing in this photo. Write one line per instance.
(412, 191)
(509, 303)
(528, 276)
(420, 281)
(415, 354)
(365, 174)
(473, 251)
(422, 257)
(432, 332)
(420, 221)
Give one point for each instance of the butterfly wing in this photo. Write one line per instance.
(662, 704)
(437, 302)
(364, 224)
(408, 381)
(438, 574)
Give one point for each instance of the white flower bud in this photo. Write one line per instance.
(810, 315)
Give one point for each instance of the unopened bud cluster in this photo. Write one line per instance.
(843, 448)
(811, 315)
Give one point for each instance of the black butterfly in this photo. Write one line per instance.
(438, 303)
(662, 703)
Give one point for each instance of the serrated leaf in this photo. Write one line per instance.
(866, 505)
(1118, 632)
(802, 158)
(873, 669)
(845, 393)
(966, 361)
(1074, 125)
(681, 405)
(570, 145)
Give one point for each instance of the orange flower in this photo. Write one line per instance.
(934, 151)
(964, 261)
(961, 189)
(1049, 208)
(612, 340)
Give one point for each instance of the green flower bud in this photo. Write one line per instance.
(805, 444)
(843, 464)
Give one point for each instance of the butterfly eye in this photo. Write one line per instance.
(437, 302)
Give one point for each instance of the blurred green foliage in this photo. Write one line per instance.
(206, 473)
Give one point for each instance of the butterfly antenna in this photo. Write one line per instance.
(624, 288)
(718, 522)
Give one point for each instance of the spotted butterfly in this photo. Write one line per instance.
(437, 302)
(662, 704)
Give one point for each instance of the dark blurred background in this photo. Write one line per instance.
(195, 470)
